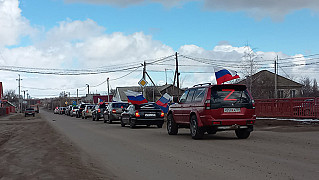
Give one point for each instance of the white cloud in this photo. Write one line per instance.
(12, 25)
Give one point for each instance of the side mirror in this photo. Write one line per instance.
(175, 99)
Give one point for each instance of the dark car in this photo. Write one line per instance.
(29, 111)
(113, 111)
(81, 108)
(98, 111)
(211, 108)
(144, 114)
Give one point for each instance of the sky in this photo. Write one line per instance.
(62, 45)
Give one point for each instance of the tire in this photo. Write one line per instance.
(132, 123)
(242, 133)
(196, 132)
(122, 123)
(25, 115)
(109, 119)
(93, 118)
(97, 118)
(33, 115)
(85, 117)
(159, 125)
(172, 127)
(82, 117)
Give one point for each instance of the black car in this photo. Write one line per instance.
(113, 111)
(144, 114)
(29, 111)
(81, 108)
(98, 111)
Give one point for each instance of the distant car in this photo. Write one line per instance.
(81, 108)
(113, 111)
(87, 111)
(68, 110)
(144, 114)
(98, 111)
(73, 111)
(56, 110)
(62, 110)
(29, 111)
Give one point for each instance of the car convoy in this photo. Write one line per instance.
(203, 108)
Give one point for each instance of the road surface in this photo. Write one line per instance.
(150, 153)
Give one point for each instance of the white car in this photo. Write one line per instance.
(56, 110)
(74, 111)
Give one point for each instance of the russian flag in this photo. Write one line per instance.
(135, 97)
(163, 102)
(223, 75)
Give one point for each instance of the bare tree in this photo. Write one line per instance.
(11, 96)
(315, 91)
(306, 88)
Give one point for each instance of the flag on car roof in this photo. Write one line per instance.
(135, 97)
(163, 102)
(224, 75)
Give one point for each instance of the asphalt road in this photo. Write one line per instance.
(150, 153)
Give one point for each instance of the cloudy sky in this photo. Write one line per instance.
(46, 41)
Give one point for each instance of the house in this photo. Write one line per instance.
(152, 93)
(263, 86)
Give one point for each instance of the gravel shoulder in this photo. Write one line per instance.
(31, 149)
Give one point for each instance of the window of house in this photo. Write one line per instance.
(280, 94)
(292, 93)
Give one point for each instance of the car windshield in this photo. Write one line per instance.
(29, 109)
(230, 96)
(120, 105)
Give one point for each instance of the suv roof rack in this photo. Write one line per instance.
(202, 84)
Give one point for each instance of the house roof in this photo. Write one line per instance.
(281, 81)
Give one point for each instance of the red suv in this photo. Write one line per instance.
(211, 108)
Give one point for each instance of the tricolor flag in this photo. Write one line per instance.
(163, 102)
(223, 75)
(135, 97)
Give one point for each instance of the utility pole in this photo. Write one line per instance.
(176, 76)
(88, 88)
(108, 89)
(144, 73)
(77, 96)
(20, 106)
(276, 71)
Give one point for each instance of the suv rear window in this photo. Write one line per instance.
(230, 96)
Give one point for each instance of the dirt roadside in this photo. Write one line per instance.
(31, 149)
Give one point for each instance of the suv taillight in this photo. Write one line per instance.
(99, 110)
(137, 114)
(207, 104)
(87, 111)
(113, 110)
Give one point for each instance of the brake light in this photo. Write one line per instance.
(87, 111)
(99, 110)
(137, 114)
(250, 122)
(162, 114)
(113, 110)
(207, 104)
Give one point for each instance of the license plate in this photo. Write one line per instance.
(150, 115)
(231, 110)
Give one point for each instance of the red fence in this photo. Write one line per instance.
(289, 108)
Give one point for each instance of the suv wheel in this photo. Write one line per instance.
(172, 127)
(242, 133)
(93, 118)
(132, 123)
(97, 118)
(196, 132)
